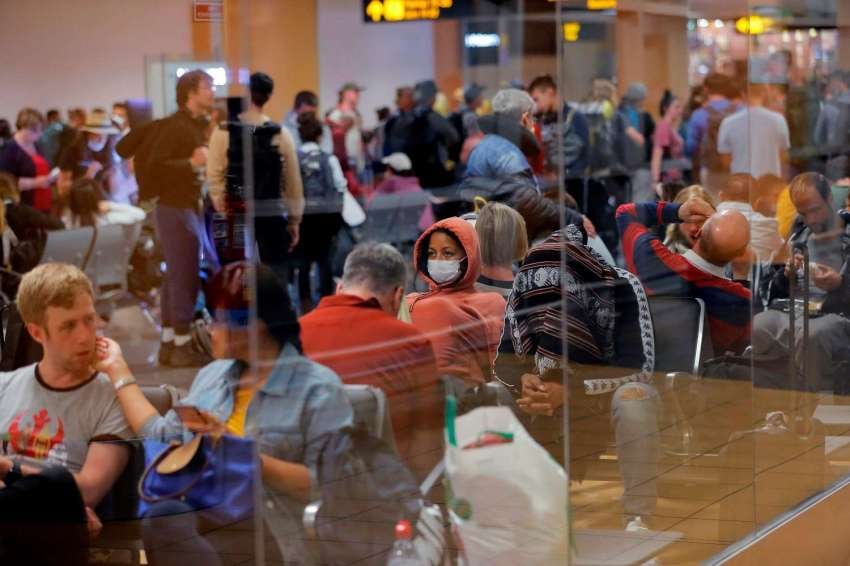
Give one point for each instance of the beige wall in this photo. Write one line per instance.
(652, 49)
(277, 37)
(378, 56)
(64, 53)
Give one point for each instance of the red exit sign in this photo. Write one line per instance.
(208, 10)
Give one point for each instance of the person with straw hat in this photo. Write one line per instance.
(91, 153)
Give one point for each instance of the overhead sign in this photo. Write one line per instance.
(753, 24)
(378, 11)
(571, 31)
(208, 10)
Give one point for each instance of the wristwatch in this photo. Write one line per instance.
(13, 474)
(124, 382)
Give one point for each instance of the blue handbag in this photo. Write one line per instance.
(212, 473)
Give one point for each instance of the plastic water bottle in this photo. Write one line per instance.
(404, 552)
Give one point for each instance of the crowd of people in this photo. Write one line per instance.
(693, 204)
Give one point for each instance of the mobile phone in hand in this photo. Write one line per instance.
(192, 417)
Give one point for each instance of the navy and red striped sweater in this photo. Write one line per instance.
(664, 272)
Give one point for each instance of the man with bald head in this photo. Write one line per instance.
(701, 271)
(827, 237)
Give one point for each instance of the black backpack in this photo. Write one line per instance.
(265, 156)
(426, 150)
(602, 155)
(320, 193)
(139, 144)
(709, 157)
(358, 475)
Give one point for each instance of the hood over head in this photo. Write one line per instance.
(465, 233)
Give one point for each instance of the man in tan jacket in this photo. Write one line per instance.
(278, 193)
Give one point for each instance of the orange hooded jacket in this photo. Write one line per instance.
(463, 324)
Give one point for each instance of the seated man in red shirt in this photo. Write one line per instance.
(356, 334)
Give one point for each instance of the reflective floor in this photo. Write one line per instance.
(736, 474)
(725, 469)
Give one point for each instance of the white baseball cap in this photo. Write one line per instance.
(398, 161)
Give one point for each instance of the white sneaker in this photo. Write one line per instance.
(636, 525)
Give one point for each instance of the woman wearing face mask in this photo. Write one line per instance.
(21, 159)
(463, 324)
(90, 156)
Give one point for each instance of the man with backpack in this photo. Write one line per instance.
(324, 190)
(703, 130)
(277, 193)
(574, 141)
(429, 137)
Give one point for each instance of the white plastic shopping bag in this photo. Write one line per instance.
(352, 212)
(507, 497)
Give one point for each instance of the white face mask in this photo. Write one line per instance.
(97, 145)
(443, 270)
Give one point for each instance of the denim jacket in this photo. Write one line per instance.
(300, 402)
(497, 158)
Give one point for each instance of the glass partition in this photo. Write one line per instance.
(554, 234)
(408, 282)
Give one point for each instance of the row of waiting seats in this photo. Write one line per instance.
(103, 254)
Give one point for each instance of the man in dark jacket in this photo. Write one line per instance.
(575, 140)
(177, 162)
(430, 137)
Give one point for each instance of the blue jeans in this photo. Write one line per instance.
(635, 408)
(180, 232)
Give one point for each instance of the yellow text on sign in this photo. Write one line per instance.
(571, 31)
(400, 10)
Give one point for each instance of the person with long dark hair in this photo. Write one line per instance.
(324, 190)
(87, 207)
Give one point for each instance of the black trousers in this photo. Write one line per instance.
(315, 245)
(43, 520)
(273, 243)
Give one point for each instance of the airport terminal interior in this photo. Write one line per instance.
(425, 282)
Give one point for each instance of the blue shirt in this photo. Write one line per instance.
(496, 158)
(698, 124)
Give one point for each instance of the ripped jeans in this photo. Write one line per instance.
(635, 408)
(633, 411)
